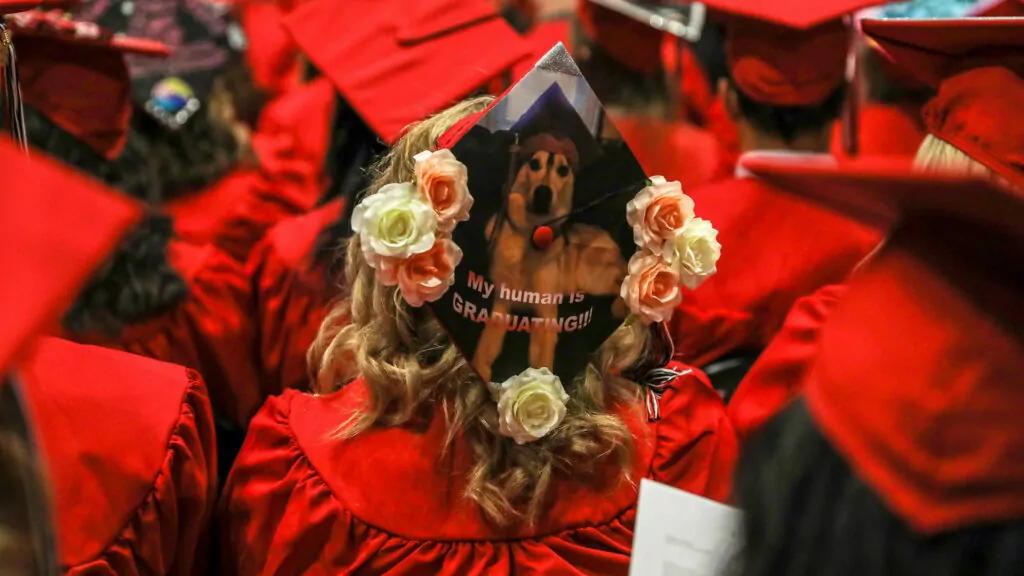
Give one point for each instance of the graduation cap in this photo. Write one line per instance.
(75, 74)
(917, 379)
(977, 64)
(536, 167)
(398, 62)
(787, 52)
(999, 9)
(203, 41)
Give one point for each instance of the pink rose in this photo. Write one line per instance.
(423, 277)
(442, 180)
(651, 289)
(657, 212)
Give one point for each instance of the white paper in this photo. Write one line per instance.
(680, 534)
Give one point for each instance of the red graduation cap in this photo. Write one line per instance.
(627, 41)
(918, 379)
(1000, 9)
(977, 64)
(398, 62)
(787, 52)
(74, 73)
(56, 227)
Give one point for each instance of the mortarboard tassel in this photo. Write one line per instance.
(13, 109)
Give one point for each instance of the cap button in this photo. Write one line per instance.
(543, 236)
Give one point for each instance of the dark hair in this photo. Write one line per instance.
(789, 122)
(137, 282)
(247, 97)
(807, 513)
(352, 149)
(883, 88)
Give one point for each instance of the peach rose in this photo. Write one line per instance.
(423, 277)
(651, 289)
(442, 180)
(657, 212)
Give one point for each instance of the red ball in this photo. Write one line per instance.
(543, 236)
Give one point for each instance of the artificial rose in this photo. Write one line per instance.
(651, 289)
(442, 180)
(530, 405)
(657, 212)
(396, 222)
(423, 277)
(694, 252)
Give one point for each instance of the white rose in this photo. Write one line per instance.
(396, 222)
(694, 252)
(530, 405)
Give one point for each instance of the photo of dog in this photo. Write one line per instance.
(583, 258)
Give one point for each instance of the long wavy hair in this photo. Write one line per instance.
(937, 155)
(412, 369)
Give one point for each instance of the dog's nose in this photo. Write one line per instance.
(542, 196)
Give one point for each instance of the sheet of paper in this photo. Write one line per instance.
(680, 534)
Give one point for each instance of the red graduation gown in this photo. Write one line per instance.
(292, 296)
(290, 143)
(301, 501)
(270, 52)
(884, 130)
(775, 249)
(128, 448)
(778, 375)
(211, 330)
(674, 150)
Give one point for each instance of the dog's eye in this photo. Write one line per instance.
(535, 165)
(563, 171)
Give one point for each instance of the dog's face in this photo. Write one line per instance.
(542, 190)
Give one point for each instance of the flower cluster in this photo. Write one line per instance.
(405, 229)
(530, 404)
(676, 248)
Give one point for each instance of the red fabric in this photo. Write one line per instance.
(210, 331)
(775, 249)
(779, 374)
(980, 112)
(15, 6)
(399, 62)
(884, 130)
(627, 41)
(128, 446)
(779, 66)
(301, 501)
(291, 295)
(1001, 9)
(80, 82)
(271, 54)
(676, 151)
(56, 228)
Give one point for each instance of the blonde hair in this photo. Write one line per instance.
(409, 365)
(937, 155)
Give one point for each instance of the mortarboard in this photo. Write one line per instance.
(203, 41)
(787, 52)
(626, 40)
(562, 236)
(397, 62)
(917, 381)
(977, 64)
(74, 73)
(53, 235)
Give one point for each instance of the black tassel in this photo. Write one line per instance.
(13, 110)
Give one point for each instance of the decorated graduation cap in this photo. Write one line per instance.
(787, 52)
(201, 36)
(75, 74)
(532, 233)
(977, 64)
(917, 379)
(398, 62)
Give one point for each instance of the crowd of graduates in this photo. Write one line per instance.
(212, 366)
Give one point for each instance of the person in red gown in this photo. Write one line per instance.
(408, 463)
(295, 269)
(976, 108)
(126, 443)
(785, 89)
(901, 456)
(157, 296)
